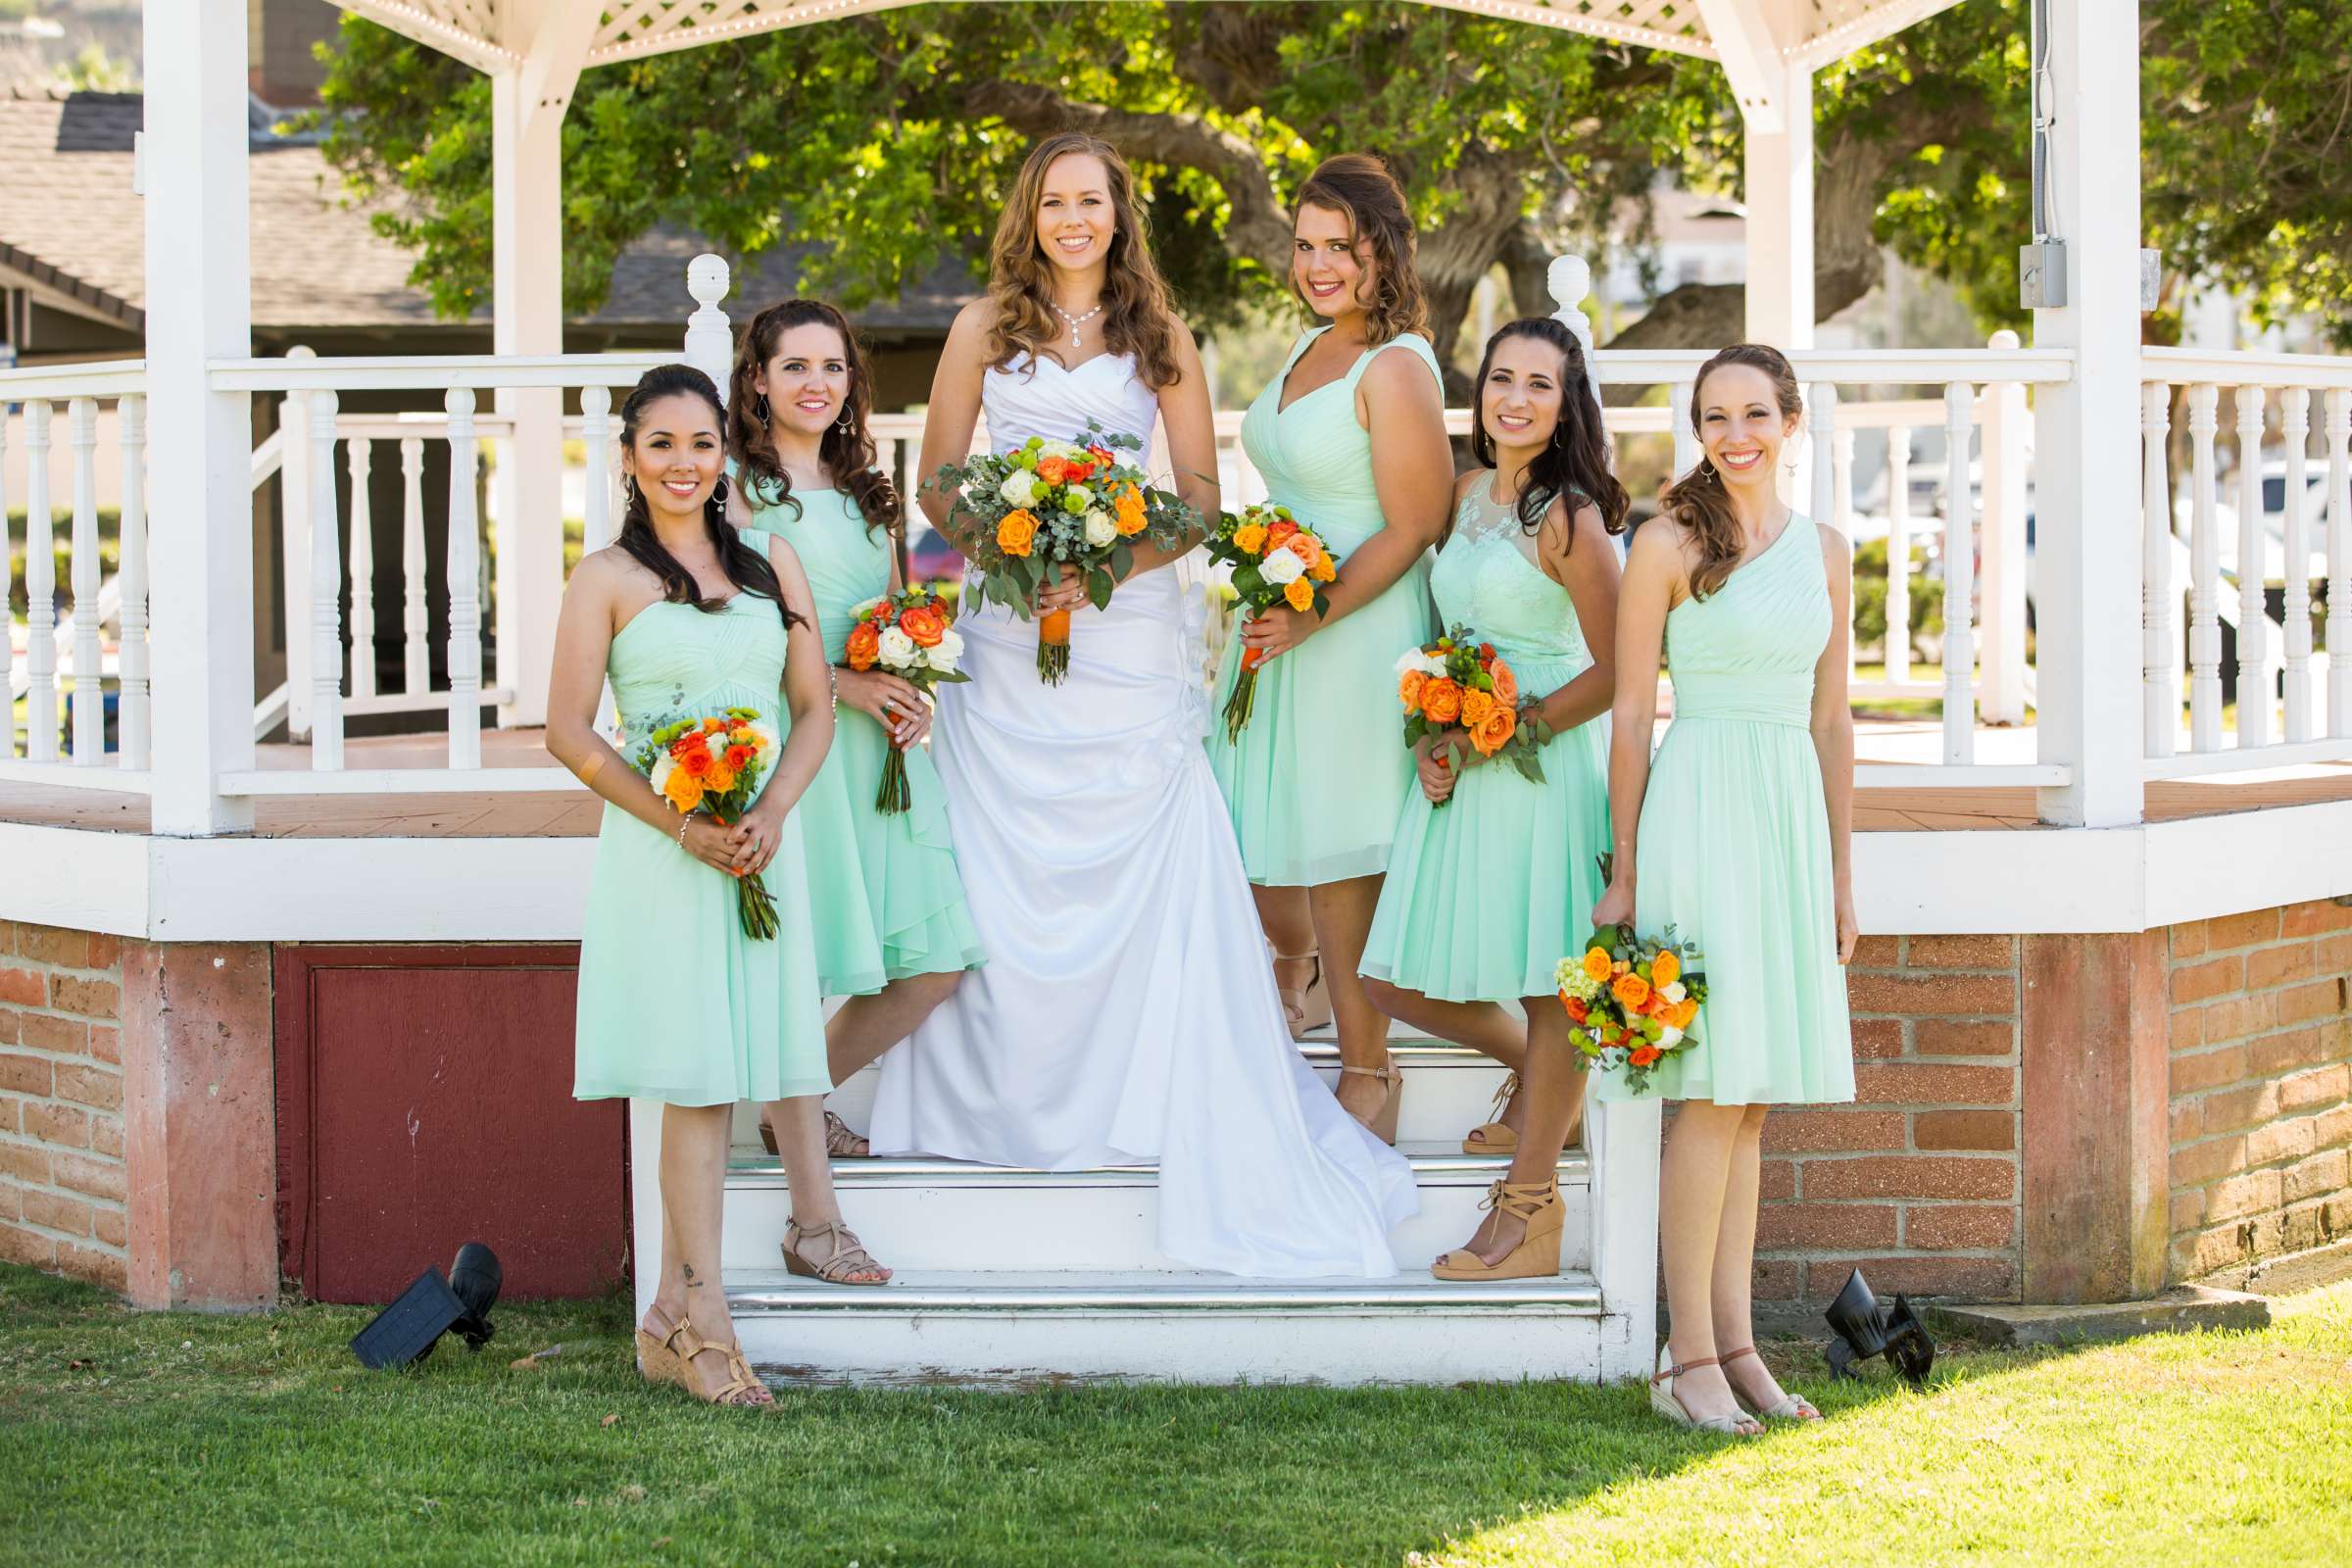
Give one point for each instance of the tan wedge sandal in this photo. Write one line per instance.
(1492, 1137)
(1791, 1408)
(1306, 1007)
(841, 1141)
(1383, 1124)
(664, 1360)
(849, 1255)
(1668, 1403)
(1539, 1250)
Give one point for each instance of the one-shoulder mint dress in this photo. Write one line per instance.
(1734, 843)
(676, 1002)
(888, 901)
(1312, 783)
(1486, 894)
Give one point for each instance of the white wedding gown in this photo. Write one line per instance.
(1127, 1014)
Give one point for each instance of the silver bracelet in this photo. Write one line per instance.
(684, 822)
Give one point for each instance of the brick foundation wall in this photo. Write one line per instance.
(62, 1182)
(1917, 1182)
(2261, 1088)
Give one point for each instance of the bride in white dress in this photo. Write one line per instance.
(1126, 1013)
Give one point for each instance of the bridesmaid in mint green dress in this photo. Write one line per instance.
(892, 930)
(1494, 876)
(1737, 835)
(1352, 438)
(676, 1004)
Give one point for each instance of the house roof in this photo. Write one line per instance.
(71, 222)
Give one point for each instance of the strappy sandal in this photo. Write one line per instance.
(665, 1360)
(1537, 1254)
(849, 1255)
(1492, 1137)
(1308, 1007)
(1666, 1402)
(1383, 1124)
(842, 1142)
(1791, 1408)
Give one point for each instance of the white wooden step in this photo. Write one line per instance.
(1020, 1328)
(942, 1214)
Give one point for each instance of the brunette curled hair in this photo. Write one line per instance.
(1360, 186)
(1697, 499)
(1576, 461)
(847, 450)
(745, 568)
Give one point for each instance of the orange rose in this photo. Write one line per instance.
(865, 646)
(1577, 1011)
(1408, 689)
(695, 762)
(712, 726)
(1053, 471)
(1665, 969)
(721, 778)
(1629, 990)
(1017, 532)
(1476, 706)
(1325, 569)
(1442, 701)
(1507, 684)
(1299, 594)
(1249, 538)
(1644, 1056)
(1682, 1012)
(1128, 510)
(683, 790)
(1101, 454)
(924, 624)
(1494, 733)
(1281, 531)
(1596, 963)
(738, 758)
(1306, 547)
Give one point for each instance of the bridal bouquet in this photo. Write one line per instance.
(1046, 505)
(1632, 1002)
(714, 765)
(907, 634)
(1274, 562)
(1456, 681)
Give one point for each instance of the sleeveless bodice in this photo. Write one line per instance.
(672, 660)
(846, 563)
(1035, 396)
(1313, 456)
(1749, 650)
(1486, 579)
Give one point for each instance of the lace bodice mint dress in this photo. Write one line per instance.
(888, 901)
(1734, 847)
(1485, 895)
(1312, 783)
(676, 1002)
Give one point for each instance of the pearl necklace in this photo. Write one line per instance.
(1075, 340)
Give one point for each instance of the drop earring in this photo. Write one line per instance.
(760, 410)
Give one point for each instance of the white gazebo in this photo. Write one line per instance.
(2113, 815)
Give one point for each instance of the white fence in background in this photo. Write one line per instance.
(2291, 707)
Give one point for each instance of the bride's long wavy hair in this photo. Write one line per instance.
(1139, 317)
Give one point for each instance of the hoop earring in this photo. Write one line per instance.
(628, 489)
(718, 495)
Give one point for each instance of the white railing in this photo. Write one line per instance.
(67, 658)
(2291, 707)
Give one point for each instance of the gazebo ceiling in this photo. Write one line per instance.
(494, 34)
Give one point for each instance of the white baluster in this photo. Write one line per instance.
(2160, 677)
(1822, 422)
(465, 565)
(326, 592)
(41, 589)
(709, 342)
(1686, 435)
(1899, 552)
(294, 548)
(2294, 425)
(362, 569)
(132, 719)
(2001, 548)
(2339, 562)
(415, 619)
(595, 530)
(89, 668)
(2253, 613)
(1842, 517)
(8, 720)
(2204, 574)
(1959, 583)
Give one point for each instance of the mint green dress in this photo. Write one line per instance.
(889, 902)
(1312, 783)
(1485, 895)
(1733, 844)
(676, 1002)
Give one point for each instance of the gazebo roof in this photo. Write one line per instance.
(1805, 31)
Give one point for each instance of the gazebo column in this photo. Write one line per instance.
(1776, 111)
(527, 104)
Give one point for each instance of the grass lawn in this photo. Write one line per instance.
(161, 1439)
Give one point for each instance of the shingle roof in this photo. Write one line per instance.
(68, 218)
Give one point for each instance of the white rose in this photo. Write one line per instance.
(1100, 529)
(1673, 991)
(1409, 660)
(943, 657)
(898, 649)
(1021, 490)
(769, 736)
(1670, 1038)
(1281, 567)
(1433, 664)
(663, 766)
(1067, 451)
